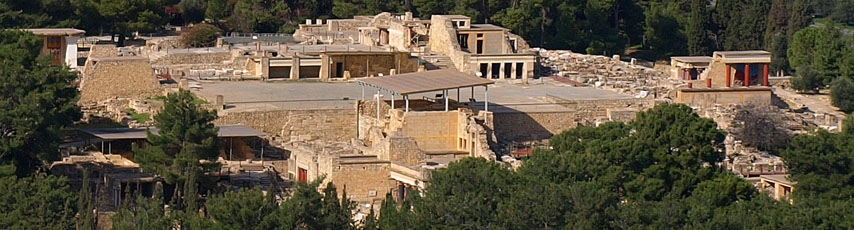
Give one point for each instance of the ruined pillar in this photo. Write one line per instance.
(501, 70)
(295, 63)
(746, 75)
(324, 67)
(765, 75)
(265, 68)
(728, 75)
(219, 103)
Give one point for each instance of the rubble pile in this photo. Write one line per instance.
(605, 72)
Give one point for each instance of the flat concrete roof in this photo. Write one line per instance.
(744, 57)
(455, 16)
(743, 52)
(482, 27)
(56, 31)
(140, 133)
(428, 81)
(783, 179)
(692, 59)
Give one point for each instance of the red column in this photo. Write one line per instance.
(728, 76)
(765, 75)
(746, 75)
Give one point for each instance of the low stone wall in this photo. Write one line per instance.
(723, 96)
(323, 124)
(193, 58)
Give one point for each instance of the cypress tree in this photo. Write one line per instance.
(698, 39)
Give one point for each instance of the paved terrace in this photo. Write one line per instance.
(503, 96)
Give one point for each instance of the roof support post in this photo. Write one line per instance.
(458, 95)
(406, 98)
(445, 92)
(486, 98)
(363, 90)
(472, 92)
(378, 105)
(392, 100)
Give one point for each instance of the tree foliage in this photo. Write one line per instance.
(201, 35)
(842, 94)
(762, 127)
(37, 101)
(35, 202)
(185, 146)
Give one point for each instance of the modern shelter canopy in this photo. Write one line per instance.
(422, 82)
(428, 81)
(139, 133)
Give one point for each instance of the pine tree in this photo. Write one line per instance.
(86, 217)
(38, 100)
(186, 136)
(775, 35)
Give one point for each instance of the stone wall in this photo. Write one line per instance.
(345, 24)
(191, 58)
(528, 126)
(443, 40)
(322, 124)
(364, 182)
(403, 150)
(130, 77)
(379, 63)
(723, 96)
(432, 130)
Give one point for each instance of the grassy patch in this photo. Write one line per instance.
(198, 100)
(139, 117)
(824, 21)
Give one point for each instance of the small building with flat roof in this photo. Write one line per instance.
(778, 186)
(60, 44)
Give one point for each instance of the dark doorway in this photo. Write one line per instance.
(479, 46)
(508, 70)
(496, 70)
(483, 68)
(339, 69)
(520, 70)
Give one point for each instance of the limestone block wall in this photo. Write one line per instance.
(345, 24)
(365, 182)
(432, 130)
(522, 126)
(99, 51)
(118, 78)
(708, 98)
(193, 58)
(313, 124)
(403, 150)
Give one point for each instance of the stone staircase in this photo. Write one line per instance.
(436, 61)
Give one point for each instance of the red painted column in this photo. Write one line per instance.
(728, 76)
(746, 75)
(765, 75)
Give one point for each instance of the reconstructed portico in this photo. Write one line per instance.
(744, 68)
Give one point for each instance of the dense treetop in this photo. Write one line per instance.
(658, 27)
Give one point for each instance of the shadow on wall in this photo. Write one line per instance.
(511, 125)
